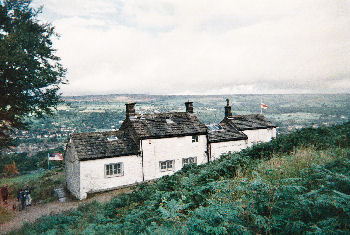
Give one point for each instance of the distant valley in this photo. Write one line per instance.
(106, 112)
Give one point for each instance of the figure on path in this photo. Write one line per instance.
(21, 199)
(28, 198)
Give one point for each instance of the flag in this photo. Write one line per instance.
(56, 157)
(264, 106)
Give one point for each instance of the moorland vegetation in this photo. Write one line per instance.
(297, 183)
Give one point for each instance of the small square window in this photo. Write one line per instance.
(190, 160)
(194, 138)
(114, 169)
(167, 165)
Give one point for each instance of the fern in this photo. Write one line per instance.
(238, 194)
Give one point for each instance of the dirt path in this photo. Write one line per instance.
(30, 214)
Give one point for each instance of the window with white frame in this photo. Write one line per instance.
(194, 138)
(167, 165)
(190, 160)
(114, 169)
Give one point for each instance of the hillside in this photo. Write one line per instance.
(294, 184)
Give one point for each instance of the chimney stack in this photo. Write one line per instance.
(189, 107)
(130, 110)
(228, 112)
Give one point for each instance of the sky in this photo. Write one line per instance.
(202, 47)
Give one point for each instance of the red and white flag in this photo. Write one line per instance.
(264, 106)
(56, 157)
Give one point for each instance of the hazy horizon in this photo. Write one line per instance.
(121, 94)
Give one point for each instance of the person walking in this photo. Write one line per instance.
(21, 200)
(28, 198)
(4, 194)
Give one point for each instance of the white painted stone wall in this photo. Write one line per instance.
(217, 149)
(176, 148)
(84, 177)
(93, 178)
(260, 135)
(72, 169)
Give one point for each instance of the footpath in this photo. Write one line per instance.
(32, 213)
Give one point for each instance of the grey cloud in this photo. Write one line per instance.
(167, 47)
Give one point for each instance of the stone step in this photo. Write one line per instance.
(61, 194)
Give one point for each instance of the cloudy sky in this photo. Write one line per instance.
(202, 47)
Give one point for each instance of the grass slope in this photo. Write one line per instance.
(42, 184)
(296, 183)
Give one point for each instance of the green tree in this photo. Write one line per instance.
(30, 72)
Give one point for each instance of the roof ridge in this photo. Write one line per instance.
(142, 114)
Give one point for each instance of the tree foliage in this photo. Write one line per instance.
(30, 72)
(11, 169)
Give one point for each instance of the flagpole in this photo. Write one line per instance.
(260, 105)
(48, 161)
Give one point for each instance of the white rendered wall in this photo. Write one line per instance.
(72, 170)
(93, 179)
(217, 149)
(176, 148)
(260, 135)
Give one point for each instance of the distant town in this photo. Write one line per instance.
(106, 112)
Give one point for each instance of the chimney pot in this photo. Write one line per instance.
(189, 107)
(228, 111)
(130, 110)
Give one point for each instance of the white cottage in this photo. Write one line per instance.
(149, 146)
(236, 132)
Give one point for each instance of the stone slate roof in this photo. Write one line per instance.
(228, 132)
(163, 125)
(250, 122)
(96, 145)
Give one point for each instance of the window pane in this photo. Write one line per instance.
(170, 164)
(185, 161)
(108, 169)
(116, 169)
(119, 169)
(163, 165)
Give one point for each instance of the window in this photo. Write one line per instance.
(169, 121)
(167, 165)
(215, 127)
(114, 169)
(112, 138)
(194, 138)
(190, 160)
